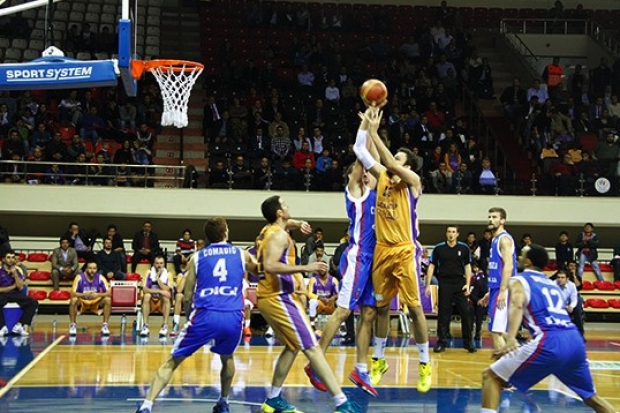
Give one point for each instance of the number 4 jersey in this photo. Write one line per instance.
(219, 277)
(544, 308)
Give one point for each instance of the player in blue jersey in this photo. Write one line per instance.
(556, 346)
(355, 267)
(502, 266)
(215, 282)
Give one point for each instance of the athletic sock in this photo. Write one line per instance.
(246, 323)
(223, 399)
(274, 392)
(423, 349)
(362, 367)
(339, 399)
(147, 404)
(379, 352)
(176, 319)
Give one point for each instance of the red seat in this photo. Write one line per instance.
(588, 142)
(551, 266)
(597, 303)
(37, 257)
(60, 295)
(37, 294)
(604, 285)
(587, 285)
(134, 276)
(606, 267)
(40, 275)
(22, 257)
(614, 302)
(144, 261)
(617, 284)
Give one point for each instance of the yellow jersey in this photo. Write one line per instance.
(270, 285)
(396, 217)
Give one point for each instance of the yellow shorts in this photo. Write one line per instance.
(327, 309)
(287, 316)
(395, 271)
(90, 306)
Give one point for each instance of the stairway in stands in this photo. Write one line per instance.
(181, 40)
(492, 109)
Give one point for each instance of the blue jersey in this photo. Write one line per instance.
(496, 264)
(544, 307)
(219, 277)
(361, 213)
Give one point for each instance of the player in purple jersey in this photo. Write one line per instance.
(556, 346)
(215, 284)
(502, 266)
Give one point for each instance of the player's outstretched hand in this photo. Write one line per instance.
(317, 266)
(305, 228)
(511, 345)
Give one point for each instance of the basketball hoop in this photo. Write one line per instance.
(176, 79)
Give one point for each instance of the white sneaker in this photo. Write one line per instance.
(4, 331)
(145, 331)
(104, 329)
(269, 333)
(163, 331)
(19, 330)
(72, 329)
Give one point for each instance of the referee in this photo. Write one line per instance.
(450, 262)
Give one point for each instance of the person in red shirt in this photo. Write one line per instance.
(436, 118)
(300, 156)
(565, 176)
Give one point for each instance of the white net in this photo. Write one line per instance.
(176, 84)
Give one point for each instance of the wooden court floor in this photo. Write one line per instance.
(91, 375)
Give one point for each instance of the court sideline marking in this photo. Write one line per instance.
(28, 367)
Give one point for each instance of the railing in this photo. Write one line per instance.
(605, 38)
(65, 173)
(545, 26)
(518, 46)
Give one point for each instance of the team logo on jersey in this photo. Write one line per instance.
(220, 290)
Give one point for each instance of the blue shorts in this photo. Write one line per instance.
(498, 319)
(356, 285)
(225, 327)
(561, 353)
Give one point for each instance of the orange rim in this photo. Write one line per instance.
(138, 67)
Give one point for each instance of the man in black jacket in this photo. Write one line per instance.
(109, 262)
(81, 241)
(587, 250)
(5, 245)
(145, 244)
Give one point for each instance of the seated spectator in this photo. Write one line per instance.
(565, 176)
(111, 115)
(64, 262)
(323, 293)
(607, 154)
(218, 176)
(40, 137)
(118, 245)
(452, 158)
(441, 179)
(145, 245)
(538, 91)
(5, 120)
(127, 115)
(305, 78)
(281, 145)
(92, 125)
(157, 296)
(487, 179)
(110, 262)
(70, 109)
(14, 173)
(122, 176)
(463, 180)
(141, 154)
(98, 172)
(436, 118)
(185, 247)
(332, 179)
(81, 241)
(54, 176)
(125, 155)
(76, 148)
(286, 177)
(56, 150)
(308, 175)
(36, 168)
(105, 41)
(562, 127)
(301, 155)
(241, 174)
(278, 123)
(332, 93)
(13, 146)
(90, 292)
(589, 171)
(13, 281)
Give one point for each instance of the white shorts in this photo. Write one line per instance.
(498, 319)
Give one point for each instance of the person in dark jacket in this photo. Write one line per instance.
(145, 244)
(5, 244)
(479, 289)
(587, 250)
(564, 251)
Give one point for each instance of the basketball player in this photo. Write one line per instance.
(280, 303)
(397, 254)
(502, 266)
(355, 265)
(157, 293)
(215, 282)
(322, 294)
(90, 292)
(556, 346)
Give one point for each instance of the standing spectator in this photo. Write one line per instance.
(514, 99)
(185, 247)
(485, 249)
(145, 245)
(118, 244)
(587, 250)
(127, 115)
(64, 262)
(109, 262)
(600, 77)
(212, 119)
(12, 283)
(552, 75)
(451, 260)
(564, 251)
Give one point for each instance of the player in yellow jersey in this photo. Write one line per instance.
(396, 260)
(279, 302)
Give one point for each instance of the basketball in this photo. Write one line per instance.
(373, 90)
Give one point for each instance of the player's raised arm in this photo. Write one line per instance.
(361, 148)
(388, 160)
